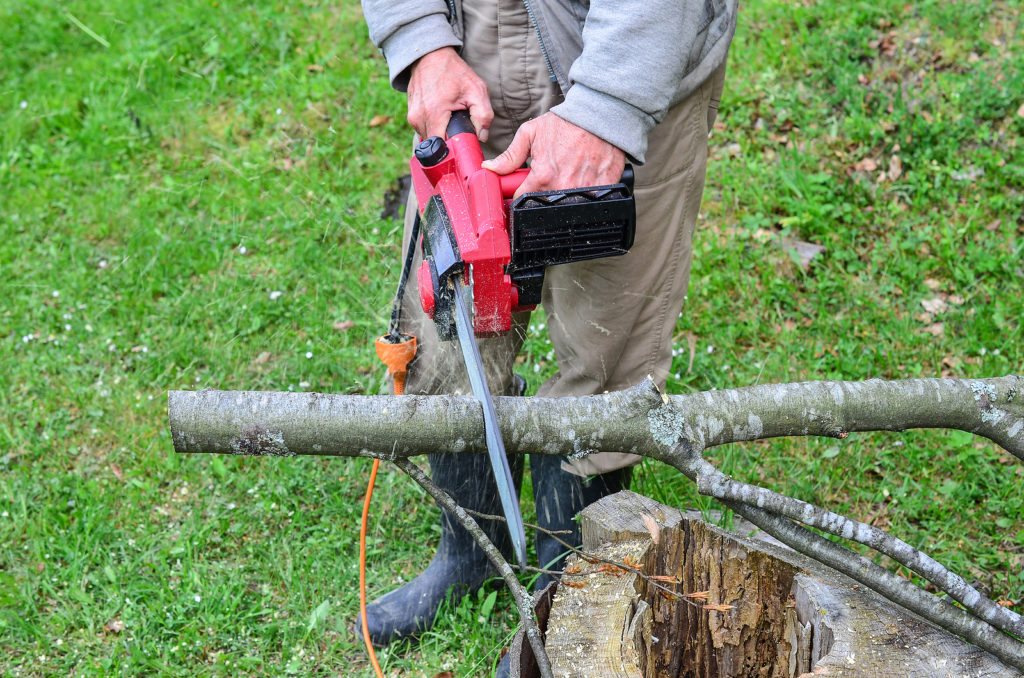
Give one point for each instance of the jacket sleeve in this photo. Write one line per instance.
(405, 30)
(635, 65)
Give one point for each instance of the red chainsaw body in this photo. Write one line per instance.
(476, 201)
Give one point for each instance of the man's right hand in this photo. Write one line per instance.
(441, 82)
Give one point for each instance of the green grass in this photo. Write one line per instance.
(191, 196)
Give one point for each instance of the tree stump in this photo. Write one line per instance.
(779, 614)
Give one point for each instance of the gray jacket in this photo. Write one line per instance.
(621, 65)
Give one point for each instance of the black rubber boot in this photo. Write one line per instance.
(504, 667)
(460, 566)
(559, 496)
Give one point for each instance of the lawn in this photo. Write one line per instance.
(190, 197)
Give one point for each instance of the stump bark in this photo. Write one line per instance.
(781, 614)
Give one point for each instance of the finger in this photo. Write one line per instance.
(515, 155)
(539, 179)
(482, 115)
(417, 118)
(437, 123)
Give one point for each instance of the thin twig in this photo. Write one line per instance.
(490, 516)
(523, 601)
(585, 555)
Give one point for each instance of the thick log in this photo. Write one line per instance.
(790, 616)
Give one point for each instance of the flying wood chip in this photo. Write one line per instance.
(652, 526)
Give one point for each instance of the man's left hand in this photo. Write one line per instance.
(562, 156)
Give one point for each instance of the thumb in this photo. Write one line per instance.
(514, 156)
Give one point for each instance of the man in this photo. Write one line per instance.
(577, 89)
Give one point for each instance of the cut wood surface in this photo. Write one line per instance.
(781, 613)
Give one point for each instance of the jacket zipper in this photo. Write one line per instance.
(540, 41)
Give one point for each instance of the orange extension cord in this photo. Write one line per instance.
(397, 357)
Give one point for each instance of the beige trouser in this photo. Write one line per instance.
(610, 320)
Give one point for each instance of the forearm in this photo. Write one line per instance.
(635, 65)
(407, 30)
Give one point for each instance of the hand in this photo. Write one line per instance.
(563, 156)
(441, 82)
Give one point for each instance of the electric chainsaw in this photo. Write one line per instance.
(485, 253)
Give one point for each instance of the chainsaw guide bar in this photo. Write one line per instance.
(485, 253)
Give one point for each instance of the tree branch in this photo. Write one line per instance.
(638, 420)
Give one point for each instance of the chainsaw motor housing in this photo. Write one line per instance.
(474, 230)
(564, 227)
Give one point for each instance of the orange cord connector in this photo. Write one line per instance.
(396, 351)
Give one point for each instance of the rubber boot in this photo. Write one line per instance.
(559, 496)
(460, 566)
(504, 667)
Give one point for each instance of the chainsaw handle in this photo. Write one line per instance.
(510, 183)
(460, 123)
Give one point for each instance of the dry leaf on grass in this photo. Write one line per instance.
(935, 305)
(114, 626)
(866, 165)
(895, 168)
(263, 357)
(805, 251)
(378, 120)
